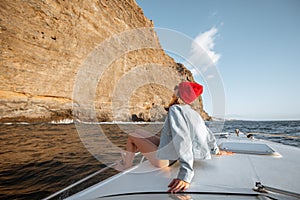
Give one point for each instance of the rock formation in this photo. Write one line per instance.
(44, 44)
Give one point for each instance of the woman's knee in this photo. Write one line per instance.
(133, 138)
(140, 133)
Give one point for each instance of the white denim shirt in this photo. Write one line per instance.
(186, 138)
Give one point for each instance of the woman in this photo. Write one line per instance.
(184, 137)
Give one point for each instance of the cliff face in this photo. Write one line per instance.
(44, 45)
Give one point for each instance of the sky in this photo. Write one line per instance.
(254, 45)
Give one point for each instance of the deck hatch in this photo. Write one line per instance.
(248, 148)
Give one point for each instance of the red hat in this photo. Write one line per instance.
(189, 91)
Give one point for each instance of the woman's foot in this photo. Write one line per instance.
(121, 164)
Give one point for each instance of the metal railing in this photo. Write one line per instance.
(88, 177)
(80, 181)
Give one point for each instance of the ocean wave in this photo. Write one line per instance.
(117, 122)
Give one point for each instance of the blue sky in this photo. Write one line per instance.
(255, 45)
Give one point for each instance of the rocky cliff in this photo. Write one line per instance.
(46, 44)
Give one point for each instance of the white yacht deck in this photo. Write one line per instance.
(238, 173)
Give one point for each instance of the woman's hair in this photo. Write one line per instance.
(176, 87)
(174, 100)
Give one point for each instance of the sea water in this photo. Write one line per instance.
(39, 159)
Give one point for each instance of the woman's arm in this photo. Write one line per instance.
(212, 143)
(183, 147)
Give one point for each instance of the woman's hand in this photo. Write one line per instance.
(178, 185)
(224, 153)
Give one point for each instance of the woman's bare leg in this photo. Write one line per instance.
(147, 144)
